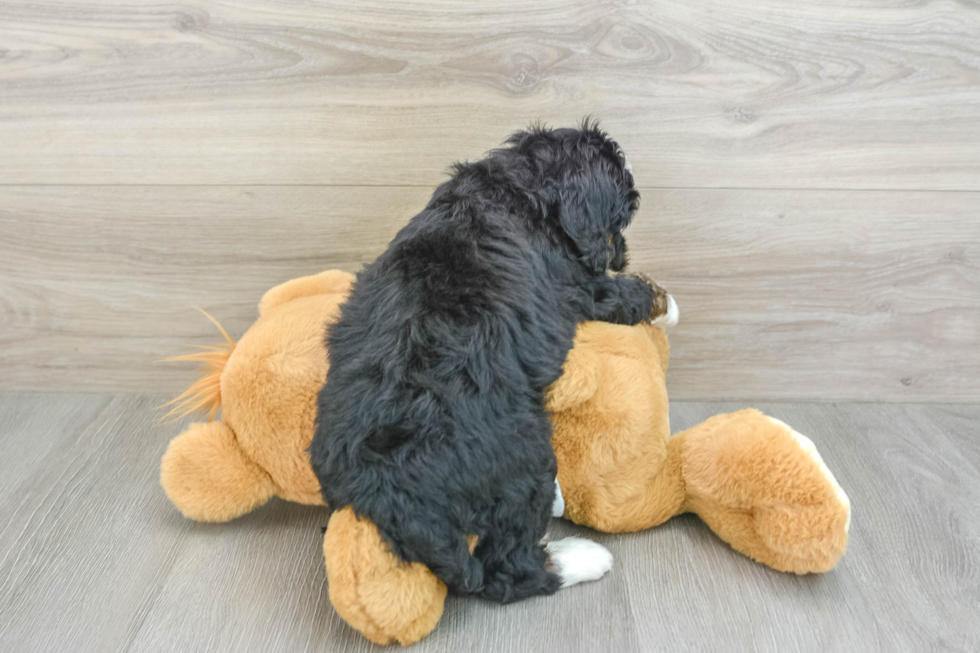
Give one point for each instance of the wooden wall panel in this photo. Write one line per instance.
(819, 295)
(816, 295)
(723, 93)
(811, 171)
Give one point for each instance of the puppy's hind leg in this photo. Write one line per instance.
(577, 560)
(515, 564)
(444, 550)
(517, 573)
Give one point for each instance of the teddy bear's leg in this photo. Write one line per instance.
(325, 283)
(764, 489)
(208, 476)
(652, 493)
(386, 599)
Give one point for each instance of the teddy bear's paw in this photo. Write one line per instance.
(577, 560)
(669, 318)
(806, 445)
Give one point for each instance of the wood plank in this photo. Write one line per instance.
(723, 93)
(819, 295)
(92, 554)
(858, 296)
(98, 284)
(94, 558)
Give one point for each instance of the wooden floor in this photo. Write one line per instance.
(94, 558)
(810, 171)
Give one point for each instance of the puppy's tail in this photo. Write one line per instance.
(204, 395)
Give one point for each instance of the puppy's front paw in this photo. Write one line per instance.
(577, 560)
(663, 312)
(669, 316)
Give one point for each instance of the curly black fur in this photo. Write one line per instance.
(432, 422)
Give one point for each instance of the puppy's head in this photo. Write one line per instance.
(585, 183)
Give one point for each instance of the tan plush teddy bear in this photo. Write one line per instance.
(757, 483)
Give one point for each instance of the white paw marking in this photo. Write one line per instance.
(558, 507)
(669, 318)
(578, 560)
(811, 450)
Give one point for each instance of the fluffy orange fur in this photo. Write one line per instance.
(204, 395)
(613, 482)
(751, 481)
(746, 475)
(759, 485)
(266, 386)
(384, 598)
(209, 477)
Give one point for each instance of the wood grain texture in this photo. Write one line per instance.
(724, 93)
(94, 558)
(817, 295)
(788, 295)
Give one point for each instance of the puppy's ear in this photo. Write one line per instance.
(588, 205)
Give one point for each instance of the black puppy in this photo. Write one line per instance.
(432, 424)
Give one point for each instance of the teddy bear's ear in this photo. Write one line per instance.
(578, 382)
(326, 283)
